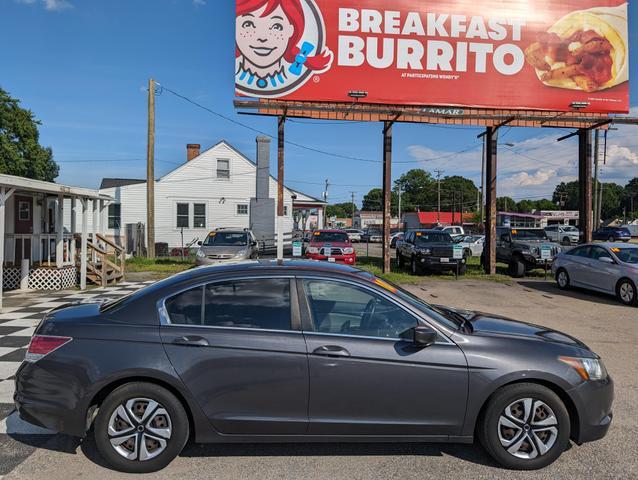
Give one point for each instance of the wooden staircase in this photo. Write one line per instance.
(105, 262)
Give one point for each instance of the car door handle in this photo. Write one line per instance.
(191, 341)
(331, 351)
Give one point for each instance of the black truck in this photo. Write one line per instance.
(429, 251)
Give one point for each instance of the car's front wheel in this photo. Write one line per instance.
(562, 279)
(626, 292)
(525, 426)
(517, 267)
(399, 260)
(414, 266)
(140, 428)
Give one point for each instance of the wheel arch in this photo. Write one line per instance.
(574, 417)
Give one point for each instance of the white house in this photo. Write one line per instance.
(210, 190)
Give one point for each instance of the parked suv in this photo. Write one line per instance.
(428, 250)
(454, 231)
(565, 234)
(612, 234)
(333, 246)
(520, 248)
(223, 245)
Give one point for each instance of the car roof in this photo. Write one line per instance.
(329, 230)
(610, 245)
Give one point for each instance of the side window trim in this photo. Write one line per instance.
(295, 321)
(308, 324)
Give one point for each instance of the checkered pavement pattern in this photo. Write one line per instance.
(17, 324)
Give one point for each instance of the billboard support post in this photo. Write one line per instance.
(491, 144)
(280, 186)
(387, 193)
(585, 183)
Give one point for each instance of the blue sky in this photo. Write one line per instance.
(82, 66)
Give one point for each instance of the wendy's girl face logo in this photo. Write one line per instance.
(280, 45)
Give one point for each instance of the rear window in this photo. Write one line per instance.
(330, 237)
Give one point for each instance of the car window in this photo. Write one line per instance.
(262, 303)
(626, 254)
(226, 239)
(185, 308)
(330, 237)
(423, 238)
(579, 252)
(345, 309)
(597, 253)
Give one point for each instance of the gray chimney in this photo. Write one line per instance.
(262, 207)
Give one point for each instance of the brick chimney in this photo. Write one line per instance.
(192, 151)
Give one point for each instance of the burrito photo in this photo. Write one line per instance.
(585, 50)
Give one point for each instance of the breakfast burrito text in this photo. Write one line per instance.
(585, 50)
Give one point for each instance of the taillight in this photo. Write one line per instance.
(42, 345)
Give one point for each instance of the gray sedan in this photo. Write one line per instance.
(604, 267)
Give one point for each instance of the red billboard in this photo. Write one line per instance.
(516, 54)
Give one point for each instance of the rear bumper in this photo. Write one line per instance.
(593, 401)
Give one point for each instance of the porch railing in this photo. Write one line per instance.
(39, 249)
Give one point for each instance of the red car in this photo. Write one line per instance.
(332, 246)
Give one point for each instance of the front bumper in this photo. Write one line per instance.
(344, 259)
(593, 401)
(439, 264)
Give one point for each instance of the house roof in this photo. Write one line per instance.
(119, 182)
(443, 217)
(38, 186)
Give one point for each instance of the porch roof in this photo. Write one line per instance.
(39, 186)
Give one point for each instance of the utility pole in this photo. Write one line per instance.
(596, 159)
(325, 192)
(353, 209)
(400, 223)
(150, 172)
(482, 202)
(438, 210)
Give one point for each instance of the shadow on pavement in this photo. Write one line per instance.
(575, 293)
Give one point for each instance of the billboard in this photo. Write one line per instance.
(519, 54)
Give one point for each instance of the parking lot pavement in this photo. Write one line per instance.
(609, 328)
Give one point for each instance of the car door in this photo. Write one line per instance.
(238, 347)
(576, 262)
(503, 245)
(365, 377)
(405, 245)
(599, 274)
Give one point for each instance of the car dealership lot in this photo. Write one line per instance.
(609, 328)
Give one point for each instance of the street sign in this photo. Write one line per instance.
(458, 252)
(296, 249)
(546, 252)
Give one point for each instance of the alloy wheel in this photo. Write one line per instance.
(527, 428)
(562, 279)
(626, 292)
(140, 429)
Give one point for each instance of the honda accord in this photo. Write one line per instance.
(305, 352)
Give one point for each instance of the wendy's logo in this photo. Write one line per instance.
(280, 45)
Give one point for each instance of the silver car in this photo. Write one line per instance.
(472, 245)
(565, 234)
(605, 267)
(354, 235)
(225, 245)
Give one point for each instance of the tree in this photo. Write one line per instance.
(526, 206)
(373, 201)
(545, 204)
(612, 200)
(456, 190)
(340, 210)
(567, 196)
(505, 204)
(419, 190)
(20, 151)
(631, 198)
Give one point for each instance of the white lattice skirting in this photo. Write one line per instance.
(41, 278)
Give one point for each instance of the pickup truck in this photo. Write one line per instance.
(428, 251)
(455, 231)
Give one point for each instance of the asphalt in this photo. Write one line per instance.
(607, 327)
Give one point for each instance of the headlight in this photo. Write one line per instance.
(200, 254)
(241, 253)
(348, 251)
(587, 368)
(535, 250)
(313, 250)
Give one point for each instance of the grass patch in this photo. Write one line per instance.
(475, 271)
(159, 265)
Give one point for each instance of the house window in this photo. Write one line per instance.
(24, 211)
(115, 216)
(223, 168)
(182, 215)
(285, 210)
(242, 209)
(199, 215)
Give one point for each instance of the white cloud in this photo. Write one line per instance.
(525, 179)
(51, 5)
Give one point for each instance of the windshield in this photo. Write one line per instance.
(525, 234)
(226, 239)
(569, 228)
(627, 254)
(424, 238)
(432, 312)
(330, 237)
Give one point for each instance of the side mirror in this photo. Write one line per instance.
(423, 336)
(199, 243)
(607, 260)
(253, 244)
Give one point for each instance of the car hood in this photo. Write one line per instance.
(330, 244)
(488, 324)
(221, 250)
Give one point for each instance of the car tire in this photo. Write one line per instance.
(463, 269)
(414, 267)
(164, 432)
(517, 267)
(567, 241)
(399, 260)
(626, 292)
(611, 239)
(562, 279)
(467, 253)
(525, 426)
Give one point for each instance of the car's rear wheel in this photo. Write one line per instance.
(414, 266)
(399, 260)
(140, 428)
(567, 241)
(517, 267)
(562, 278)
(611, 238)
(525, 426)
(626, 292)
